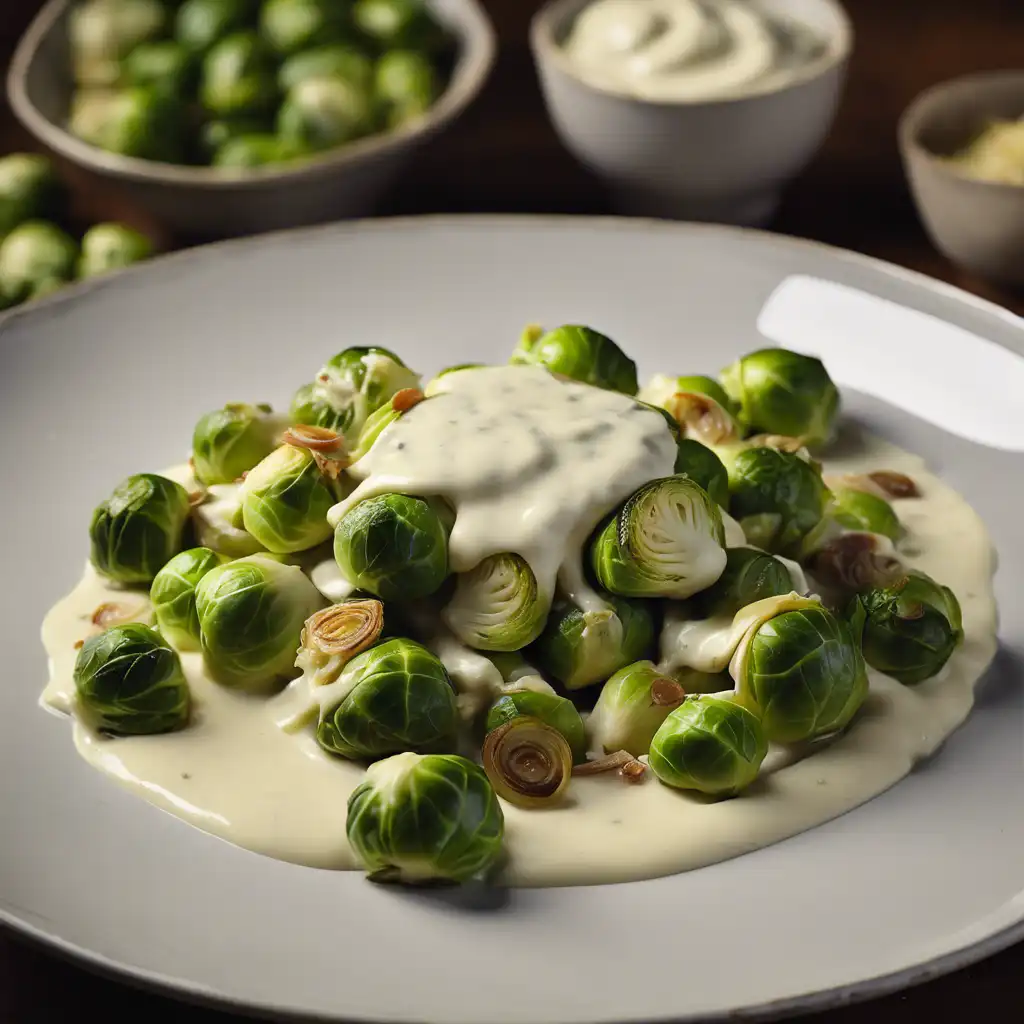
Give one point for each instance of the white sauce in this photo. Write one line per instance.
(248, 769)
(684, 50)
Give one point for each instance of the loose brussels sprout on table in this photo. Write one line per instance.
(107, 247)
(29, 190)
(32, 256)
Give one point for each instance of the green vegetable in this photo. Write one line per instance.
(109, 247)
(344, 62)
(321, 113)
(29, 190)
(285, 500)
(859, 510)
(228, 442)
(407, 82)
(216, 133)
(497, 606)
(417, 818)
(251, 614)
(631, 708)
(801, 672)
(580, 353)
(200, 24)
(703, 467)
(238, 77)
(580, 648)
(394, 546)
(777, 497)
(290, 26)
(102, 32)
(173, 594)
(667, 540)
(33, 254)
(397, 697)
(130, 683)
(257, 150)
(555, 711)
(137, 122)
(698, 404)
(709, 744)
(165, 65)
(783, 392)
(139, 528)
(398, 23)
(351, 386)
(749, 575)
(910, 628)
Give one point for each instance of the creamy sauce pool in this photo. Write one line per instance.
(248, 769)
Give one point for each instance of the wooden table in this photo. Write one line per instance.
(504, 157)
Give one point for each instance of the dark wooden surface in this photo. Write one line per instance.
(505, 157)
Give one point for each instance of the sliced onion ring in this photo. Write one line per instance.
(857, 561)
(702, 417)
(344, 629)
(528, 762)
(316, 439)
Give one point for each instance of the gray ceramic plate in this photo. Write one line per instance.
(109, 378)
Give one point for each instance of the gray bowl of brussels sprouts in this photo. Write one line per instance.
(231, 117)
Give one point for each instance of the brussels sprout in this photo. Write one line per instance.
(139, 528)
(136, 122)
(166, 66)
(258, 150)
(528, 762)
(108, 247)
(251, 614)
(859, 510)
(33, 253)
(293, 25)
(910, 628)
(396, 696)
(398, 23)
(580, 648)
(394, 546)
(631, 707)
(435, 386)
(698, 404)
(129, 682)
(801, 672)
(228, 442)
(667, 540)
(174, 596)
(703, 467)
(777, 497)
(555, 711)
(29, 189)
(214, 521)
(579, 353)
(344, 62)
(709, 744)
(238, 77)
(285, 500)
(394, 409)
(497, 606)
(407, 83)
(749, 575)
(783, 392)
(350, 387)
(418, 818)
(199, 24)
(216, 134)
(320, 113)
(101, 32)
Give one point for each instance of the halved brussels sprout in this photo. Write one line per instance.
(783, 392)
(698, 404)
(709, 744)
(238, 77)
(108, 247)
(321, 113)
(338, 61)
(138, 122)
(580, 648)
(139, 528)
(553, 710)
(419, 818)
(284, 501)
(164, 65)
(704, 467)
(631, 707)
(29, 190)
(749, 575)
(777, 497)
(497, 606)
(228, 442)
(667, 540)
(398, 23)
(351, 386)
(407, 83)
(199, 24)
(910, 628)
(396, 696)
(129, 682)
(394, 546)
(580, 353)
(291, 26)
(101, 32)
(859, 510)
(34, 253)
(173, 594)
(801, 672)
(251, 615)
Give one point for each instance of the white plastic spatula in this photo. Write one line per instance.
(946, 375)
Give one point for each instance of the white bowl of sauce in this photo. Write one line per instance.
(699, 109)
